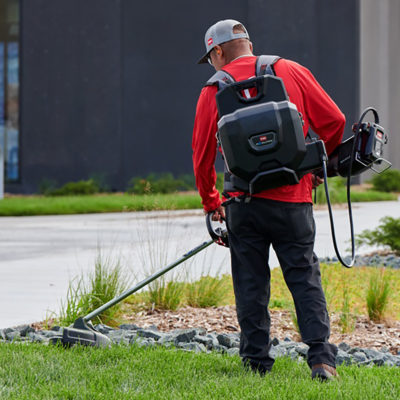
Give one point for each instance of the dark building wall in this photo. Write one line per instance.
(110, 86)
(321, 35)
(70, 86)
(161, 80)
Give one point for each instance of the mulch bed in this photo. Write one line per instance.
(366, 334)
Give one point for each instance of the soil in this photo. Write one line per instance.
(365, 334)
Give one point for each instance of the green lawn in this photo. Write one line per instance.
(46, 372)
(340, 195)
(41, 205)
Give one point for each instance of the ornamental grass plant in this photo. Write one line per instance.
(357, 280)
(178, 287)
(154, 252)
(208, 291)
(347, 320)
(378, 295)
(91, 290)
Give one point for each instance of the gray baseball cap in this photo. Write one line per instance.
(219, 33)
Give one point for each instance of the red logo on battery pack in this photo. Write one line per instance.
(262, 138)
(210, 41)
(379, 134)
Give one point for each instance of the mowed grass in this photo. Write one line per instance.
(120, 202)
(47, 372)
(340, 196)
(41, 205)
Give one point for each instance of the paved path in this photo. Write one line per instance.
(40, 255)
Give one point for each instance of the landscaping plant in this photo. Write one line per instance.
(154, 252)
(165, 295)
(90, 291)
(346, 321)
(388, 181)
(378, 295)
(208, 291)
(387, 234)
(157, 183)
(74, 304)
(75, 188)
(329, 288)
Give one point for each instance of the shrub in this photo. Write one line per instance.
(75, 188)
(386, 234)
(166, 183)
(155, 183)
(188, 182)
(87, 293)
(46, 186)
(100, 181)
(388, 181)
(378, 295)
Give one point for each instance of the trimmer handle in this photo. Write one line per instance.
(218, 234)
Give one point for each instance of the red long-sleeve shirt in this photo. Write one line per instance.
(318, 110)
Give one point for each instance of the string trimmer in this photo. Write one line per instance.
(82, 331)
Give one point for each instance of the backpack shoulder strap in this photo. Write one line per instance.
(264, 65)
(220, 79)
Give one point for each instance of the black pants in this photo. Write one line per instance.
(290, 228)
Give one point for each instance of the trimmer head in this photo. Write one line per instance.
(82, 333)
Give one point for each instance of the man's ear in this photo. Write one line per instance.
(218, 50)
(251, 46)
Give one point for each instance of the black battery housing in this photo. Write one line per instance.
(262, 137)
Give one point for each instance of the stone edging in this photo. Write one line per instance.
(198, 340)
(376, 260)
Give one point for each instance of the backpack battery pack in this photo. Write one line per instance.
(262, 137)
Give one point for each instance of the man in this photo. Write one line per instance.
(281, 217)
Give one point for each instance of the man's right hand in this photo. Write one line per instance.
(219, 214)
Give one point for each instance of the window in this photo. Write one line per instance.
(9, 87)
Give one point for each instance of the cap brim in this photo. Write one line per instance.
(203, 60)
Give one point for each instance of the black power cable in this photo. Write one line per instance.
(325, 170)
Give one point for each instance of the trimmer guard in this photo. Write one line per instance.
(82, 333)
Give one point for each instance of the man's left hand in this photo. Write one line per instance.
(316, 181)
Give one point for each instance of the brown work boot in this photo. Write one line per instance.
(323, 372)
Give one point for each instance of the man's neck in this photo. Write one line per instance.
(241, 56)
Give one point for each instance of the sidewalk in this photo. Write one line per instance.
(40, 255)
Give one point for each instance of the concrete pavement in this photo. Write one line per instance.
(40, 255)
